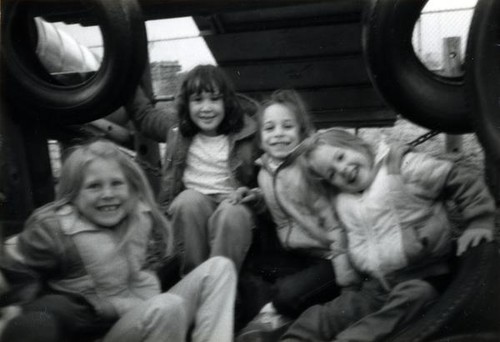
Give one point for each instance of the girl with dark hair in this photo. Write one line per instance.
(208, 167)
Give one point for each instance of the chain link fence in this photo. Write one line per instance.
(430, 34)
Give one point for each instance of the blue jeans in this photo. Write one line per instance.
(313, 284)
(369, 314)
(204, 227)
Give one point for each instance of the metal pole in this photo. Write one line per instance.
(452, 68)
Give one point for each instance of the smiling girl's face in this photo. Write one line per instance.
(206, 110)
(104, 198)
(280, 131)
(347, 169)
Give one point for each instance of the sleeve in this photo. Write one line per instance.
(149, 120)
(28, 258)
(472, 197)
(425, 175)
(433, 178)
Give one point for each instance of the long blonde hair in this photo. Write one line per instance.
(72, 176)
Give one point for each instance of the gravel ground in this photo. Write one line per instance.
(404, 132)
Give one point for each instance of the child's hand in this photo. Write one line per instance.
(236, 196)
(252, 196)
(244, 195)
(472, 237)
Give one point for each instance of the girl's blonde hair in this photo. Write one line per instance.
(333, 137)
(73, 172)
(291, 100)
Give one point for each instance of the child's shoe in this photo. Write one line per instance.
(265, 327)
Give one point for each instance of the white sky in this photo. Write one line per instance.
(435, 5)
(181, 41)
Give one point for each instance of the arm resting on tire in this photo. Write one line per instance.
(476, 205)
(149, 120)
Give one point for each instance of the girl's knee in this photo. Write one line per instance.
(188, 200)
(237, 211)
(234, 219)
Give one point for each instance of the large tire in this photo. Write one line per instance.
(470, 306)
(30, 87)
(413, 91)
(483, 75)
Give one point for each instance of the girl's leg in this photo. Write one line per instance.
(209, 294)
(54, 318)
(404, 303)
(161, 318)
(230, 229)
(324, 322)
(189, 213)
(314, 284)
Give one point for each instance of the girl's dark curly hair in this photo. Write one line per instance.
(209, 78)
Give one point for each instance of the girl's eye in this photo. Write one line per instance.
(216, 97)
(268, 128)
(194, 98)
(117, 183)
(92, 186)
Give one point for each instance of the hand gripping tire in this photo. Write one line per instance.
(483, 74)
(29, 87)
(413, 91)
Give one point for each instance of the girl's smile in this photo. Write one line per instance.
(104, 197)
(280, 131)
(206, 110)
(347, 169)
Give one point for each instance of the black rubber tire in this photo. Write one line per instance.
(470, 306)
(29, 86)
(411, 89)
(483, 74)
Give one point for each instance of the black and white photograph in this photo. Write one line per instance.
(249, 170)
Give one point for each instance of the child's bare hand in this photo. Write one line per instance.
(472, 238)
(251, 196)
(238, 195)
(244, 195)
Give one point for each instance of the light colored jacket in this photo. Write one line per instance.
(71, 255)
(303, 221)
(400, 222)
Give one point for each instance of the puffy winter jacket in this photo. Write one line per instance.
(70, 255)
(400, 221)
